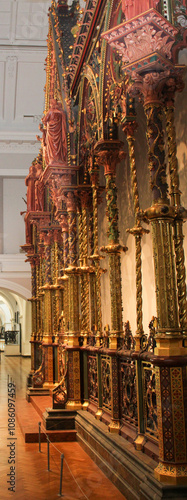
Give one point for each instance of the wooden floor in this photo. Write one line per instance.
(82, 479)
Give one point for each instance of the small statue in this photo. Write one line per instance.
(43, 142)
(39, 196)
(30, 181)
(56, 140)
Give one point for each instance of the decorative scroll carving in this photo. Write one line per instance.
(128, 391)
(151, 344)
(92, 378)
(151, 41)
(106, 382)
(39, 375)
(60, 391)
(128, 341)
(149, 396)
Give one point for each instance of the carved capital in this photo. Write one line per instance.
(109, 153)
(151, 86)
(130, 127)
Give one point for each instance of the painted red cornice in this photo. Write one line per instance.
(100, 6)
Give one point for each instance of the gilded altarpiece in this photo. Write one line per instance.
(136, 384)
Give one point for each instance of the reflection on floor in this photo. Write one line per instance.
(82, 479)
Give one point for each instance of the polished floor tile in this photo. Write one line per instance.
(82, 479)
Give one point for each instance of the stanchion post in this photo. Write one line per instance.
(48, 458)
(61, 472)
(39, 436)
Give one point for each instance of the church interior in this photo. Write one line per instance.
(93, 308)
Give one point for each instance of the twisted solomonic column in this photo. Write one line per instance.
(169, 356)
(72, 271)
(95, 257)
(173, 85)
(109, 153)
(129, 127)
(84, 268)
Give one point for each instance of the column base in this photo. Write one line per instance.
(85, 405)
(171, 473)
(48, 385)
(98, 414)
(137, 342)
(169, 346)
(47, 339)
(73, 405)
(114, 427)
(73, 341)
(139, 442)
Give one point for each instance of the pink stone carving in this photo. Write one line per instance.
(43, 142)
(132, 8)
(142, 42)
(30, 181)
(56, 140)
(39, 195)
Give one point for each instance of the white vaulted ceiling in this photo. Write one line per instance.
(23, 49)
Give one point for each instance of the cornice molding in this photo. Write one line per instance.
(17, 146)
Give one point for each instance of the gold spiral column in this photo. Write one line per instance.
(63, 279)
(170, 361)
(47, 336)
(108, 154)
(74, 387)
(34, 313)
(85, 302)
(95, 278)
(161, 215)
(56, 286)
(172, 86)
(129, 127)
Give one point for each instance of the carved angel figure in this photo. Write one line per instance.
(56, 140)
